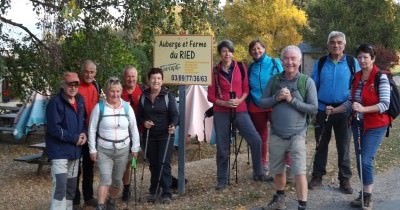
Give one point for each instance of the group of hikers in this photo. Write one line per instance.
(83, 128)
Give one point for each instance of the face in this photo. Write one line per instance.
(130, 78)
(365, 60)
(114, 93)
(89, 73)
(226, 55)
(155, 81)
(336, 45)
(257, 51)
(71, 89)
(291, 61)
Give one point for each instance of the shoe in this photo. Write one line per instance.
(92, 202)
(345, 186)
(151, 198)
(278, 202)
(166, 200)
(100, 207)
(315, 182)
(356, 203)
(111, 204)
(76, 207)
(263, 178)
(126, 193)
(220, 186)
(300, 207)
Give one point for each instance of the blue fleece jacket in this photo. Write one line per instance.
(260, 72)
(333, 83)
(63, 127)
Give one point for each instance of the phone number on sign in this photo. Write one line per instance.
(188, 78)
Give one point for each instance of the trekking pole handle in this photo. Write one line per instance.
(134, 163)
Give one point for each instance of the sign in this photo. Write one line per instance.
(184, 59)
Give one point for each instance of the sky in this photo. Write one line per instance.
(21, 12)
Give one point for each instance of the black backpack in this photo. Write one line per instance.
(394, 106)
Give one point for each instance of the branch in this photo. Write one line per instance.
(45, 4)
(33, 36)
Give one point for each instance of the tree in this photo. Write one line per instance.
(366, 21)
(111, 32)
(275, 22)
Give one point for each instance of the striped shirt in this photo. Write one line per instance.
(384, 95)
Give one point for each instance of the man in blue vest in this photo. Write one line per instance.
(332, 75)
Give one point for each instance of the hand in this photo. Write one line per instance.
(357, 107)
(82, 139)
(171, 129)
(329, 110)
(233, 103)
(285, 94)
(93, 156)
(148, 124)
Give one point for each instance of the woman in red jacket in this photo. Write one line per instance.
(228, 93)
(370, 121)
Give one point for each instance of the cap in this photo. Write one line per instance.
(71, 77)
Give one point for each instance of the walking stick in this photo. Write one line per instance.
(162, 164)
(317, 143)
(360, 159)
(133, 165)
(143, 164)
(235, 162)
(232, 112)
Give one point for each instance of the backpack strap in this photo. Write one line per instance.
(241, 67)
(302, 85)
(274, 83)
(321, 63)
(274, 66)
(216, 77)
(166, 98)
(351, 63)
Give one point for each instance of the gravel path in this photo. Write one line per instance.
(386, 194)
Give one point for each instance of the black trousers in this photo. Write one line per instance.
(155, 153)
(87, 176)
(340, 124)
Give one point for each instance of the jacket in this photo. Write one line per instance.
(370, 97)
(158, 112)
(333, 82)
(260, 72)
(238, 84)
(64, 126)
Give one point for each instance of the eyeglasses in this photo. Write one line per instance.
(73, 84)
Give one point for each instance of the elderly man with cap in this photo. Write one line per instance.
(65, 135)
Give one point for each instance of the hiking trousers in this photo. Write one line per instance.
(339, 124)
(246, 129)
(64, 174)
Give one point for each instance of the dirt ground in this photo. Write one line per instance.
(21, 188)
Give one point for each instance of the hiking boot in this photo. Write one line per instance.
(126, 193)
(111, 204)
(220, 187)
(151, 198)
(278, 202)
(166, 200)
(300, 207)
(345, 186)
(92, 202)
(100, 207)
(315, 182)
(356, 203)
(263, 178)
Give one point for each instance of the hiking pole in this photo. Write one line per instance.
(144, 164)
(133, 165)
(360, 158)
(162, 164)
(317, 143)
(232, 112)
(235, 162)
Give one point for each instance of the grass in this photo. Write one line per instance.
(389, 152)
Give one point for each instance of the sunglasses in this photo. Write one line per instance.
(73, 84)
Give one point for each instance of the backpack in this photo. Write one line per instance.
(301, 84)
(166, 98)
(394, 106)
(101, 116)
(350, 63)
(274, 67)
(215, 72)
(301, 87)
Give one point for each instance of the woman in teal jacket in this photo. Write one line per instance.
(260, 72)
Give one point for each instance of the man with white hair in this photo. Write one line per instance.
(332, 75)
(292, 96)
